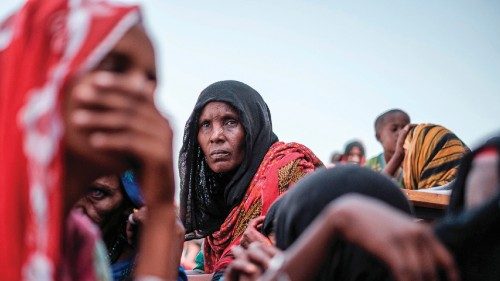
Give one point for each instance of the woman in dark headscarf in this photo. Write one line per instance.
(232, 167)
(313, 194)
(469, 231)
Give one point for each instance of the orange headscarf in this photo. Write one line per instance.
(433, 154)
(42, 45)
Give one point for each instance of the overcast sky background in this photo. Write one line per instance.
(328, 68)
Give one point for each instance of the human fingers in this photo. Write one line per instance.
(95, 120)
(139, 216)
(105, 81)
(412, 258)
(141, 148)
(239, 268)
(85, 96)
(256, 254)
(253, 224)
(428, 261)
(444, 260)
(404, 132)
(268, 249)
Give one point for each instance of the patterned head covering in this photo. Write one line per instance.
(204, 202)
(41, 47)
(433, 154)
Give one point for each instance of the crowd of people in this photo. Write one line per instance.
(87, 174)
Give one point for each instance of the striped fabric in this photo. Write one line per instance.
(433, 154)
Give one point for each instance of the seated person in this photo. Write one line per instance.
(470, 232)
(354, 153)
(261, 229)
(108, 204)
(111, 203)
(232, 167)
(429, 155)
(77, 103)
(474, 242)
(387, 128)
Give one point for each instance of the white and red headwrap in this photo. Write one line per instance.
(42, 45)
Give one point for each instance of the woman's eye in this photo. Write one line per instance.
(231, 122)
(114, 63)
(97, 194)
(204, 125)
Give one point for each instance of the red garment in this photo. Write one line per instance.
(42, 45)
(84, 253)
(283, 165)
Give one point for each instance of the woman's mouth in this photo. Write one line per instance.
(219, 155)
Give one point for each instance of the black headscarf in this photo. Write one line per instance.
(472, 236)
(268, 226)
(457, 200)
(207, 198)
(312, 194)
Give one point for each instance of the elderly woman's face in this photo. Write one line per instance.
(221, 137)
(103, 197)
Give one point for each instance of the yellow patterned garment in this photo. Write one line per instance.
(433, 154)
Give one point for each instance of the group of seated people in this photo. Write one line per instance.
(87, 174)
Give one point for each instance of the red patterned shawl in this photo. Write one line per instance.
(283, 165)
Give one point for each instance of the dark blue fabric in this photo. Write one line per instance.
(132, 188)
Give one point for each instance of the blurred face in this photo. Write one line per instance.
(483, 181)
(355, 155)
(131, 65)
(221, 137)
(103, 197)
(389, 132)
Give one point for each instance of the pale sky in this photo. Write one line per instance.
(328, 68)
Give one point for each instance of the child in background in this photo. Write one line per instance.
(354, 153)
(387, 128)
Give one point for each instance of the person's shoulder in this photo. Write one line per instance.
(374, 162)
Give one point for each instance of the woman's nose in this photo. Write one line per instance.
(217, 134)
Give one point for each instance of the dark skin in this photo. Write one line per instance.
(410, 250)
(387, 133)
(221, 137)
(482, 180)
(111, 124)
(399, 154)
(107, 207)
(103, 197)
(252, 233)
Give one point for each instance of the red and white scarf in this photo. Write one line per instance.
(41, 46)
